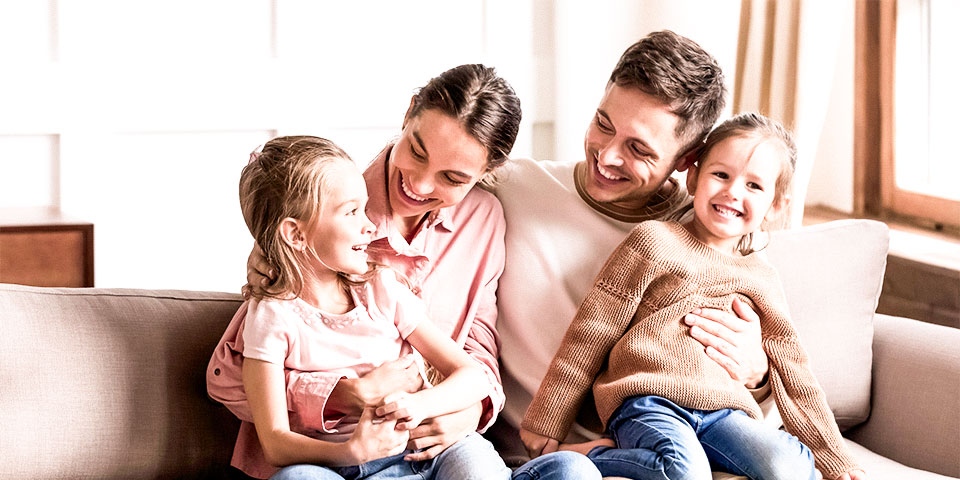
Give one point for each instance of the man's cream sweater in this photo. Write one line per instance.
(628, 339)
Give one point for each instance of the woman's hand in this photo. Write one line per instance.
(733, 341)
(260, 273)
(375, 438)
(435, 434)
(537, 444)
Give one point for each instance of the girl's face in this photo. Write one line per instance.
(342, 232)
(734, 189)
(433, 165)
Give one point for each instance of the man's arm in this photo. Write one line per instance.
(733, 341)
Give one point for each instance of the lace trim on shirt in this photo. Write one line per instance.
(335, 321)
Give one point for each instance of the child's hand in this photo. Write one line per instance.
(402, 408)
(853, 475)
(537, 444)
(375, 438)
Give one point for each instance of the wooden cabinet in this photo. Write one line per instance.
(45, 248)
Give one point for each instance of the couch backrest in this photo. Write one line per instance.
(109, 383)
(832, 275)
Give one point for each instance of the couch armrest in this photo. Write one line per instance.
(915, 399)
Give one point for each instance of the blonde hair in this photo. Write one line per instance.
(757, 126)
(287, 179)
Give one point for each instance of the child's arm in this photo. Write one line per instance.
(265, 387)
(464, 384)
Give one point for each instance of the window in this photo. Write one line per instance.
(908, 112)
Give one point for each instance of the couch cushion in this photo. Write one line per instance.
(832, 274)
(109, 383)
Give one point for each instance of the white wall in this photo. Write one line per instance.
(590, 37)
(139, 116)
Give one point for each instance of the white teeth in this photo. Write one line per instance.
(606, 174)
(403, 185)
(727, 211)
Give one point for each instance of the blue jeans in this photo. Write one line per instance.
(472, 458)
(657, 439)
(558, 466)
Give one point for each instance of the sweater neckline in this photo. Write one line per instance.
(696, 245)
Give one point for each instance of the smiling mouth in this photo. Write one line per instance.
(727, 211)
(409, 193)
(605, 174)
(360, 248)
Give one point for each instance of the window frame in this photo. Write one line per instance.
(875, 190)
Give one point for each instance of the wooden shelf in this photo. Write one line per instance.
(41, 246)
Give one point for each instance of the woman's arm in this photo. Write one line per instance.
(464, 381)
(264, 383)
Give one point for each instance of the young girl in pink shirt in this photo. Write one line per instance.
(331, 311)
(672, 412)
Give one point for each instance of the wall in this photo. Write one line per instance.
(139, 116)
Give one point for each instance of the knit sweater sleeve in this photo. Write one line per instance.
(601, 320)
(800, 399)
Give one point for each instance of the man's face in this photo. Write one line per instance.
(631, 146)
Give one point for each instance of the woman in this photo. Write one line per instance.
(446, 238)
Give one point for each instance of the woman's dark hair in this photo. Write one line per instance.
(484, 104)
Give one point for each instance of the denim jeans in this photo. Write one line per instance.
(558, 466)
(472, 458)
(657, 439)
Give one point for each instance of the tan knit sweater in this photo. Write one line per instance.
(628, 339)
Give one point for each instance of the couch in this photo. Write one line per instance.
(109, 383)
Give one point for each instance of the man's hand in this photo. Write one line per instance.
(537, 444)
(260, 273)
(733, 341)
(435, 434)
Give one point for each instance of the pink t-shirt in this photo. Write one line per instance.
(302, 338)
(453, 263)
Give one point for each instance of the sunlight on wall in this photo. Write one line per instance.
(139, 116)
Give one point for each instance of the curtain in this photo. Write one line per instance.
(786, 63)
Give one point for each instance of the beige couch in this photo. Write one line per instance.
(109, 383)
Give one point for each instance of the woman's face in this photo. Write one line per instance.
(433, 165)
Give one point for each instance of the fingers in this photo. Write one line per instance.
(732, 367)
(427, 429)
(421, 443)
(715, 322)
(551, 446)
(715, 340)
(408, 423)
(744, 311)
(425, 454)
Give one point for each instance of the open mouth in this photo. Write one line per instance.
(412, 197)
(606, 176)
(726, 211)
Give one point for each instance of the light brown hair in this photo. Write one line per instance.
(288, 178)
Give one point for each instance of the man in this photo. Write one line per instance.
(563, 219)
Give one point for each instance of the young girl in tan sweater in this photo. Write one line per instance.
(672, 412)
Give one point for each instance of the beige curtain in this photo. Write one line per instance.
(786, 60)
